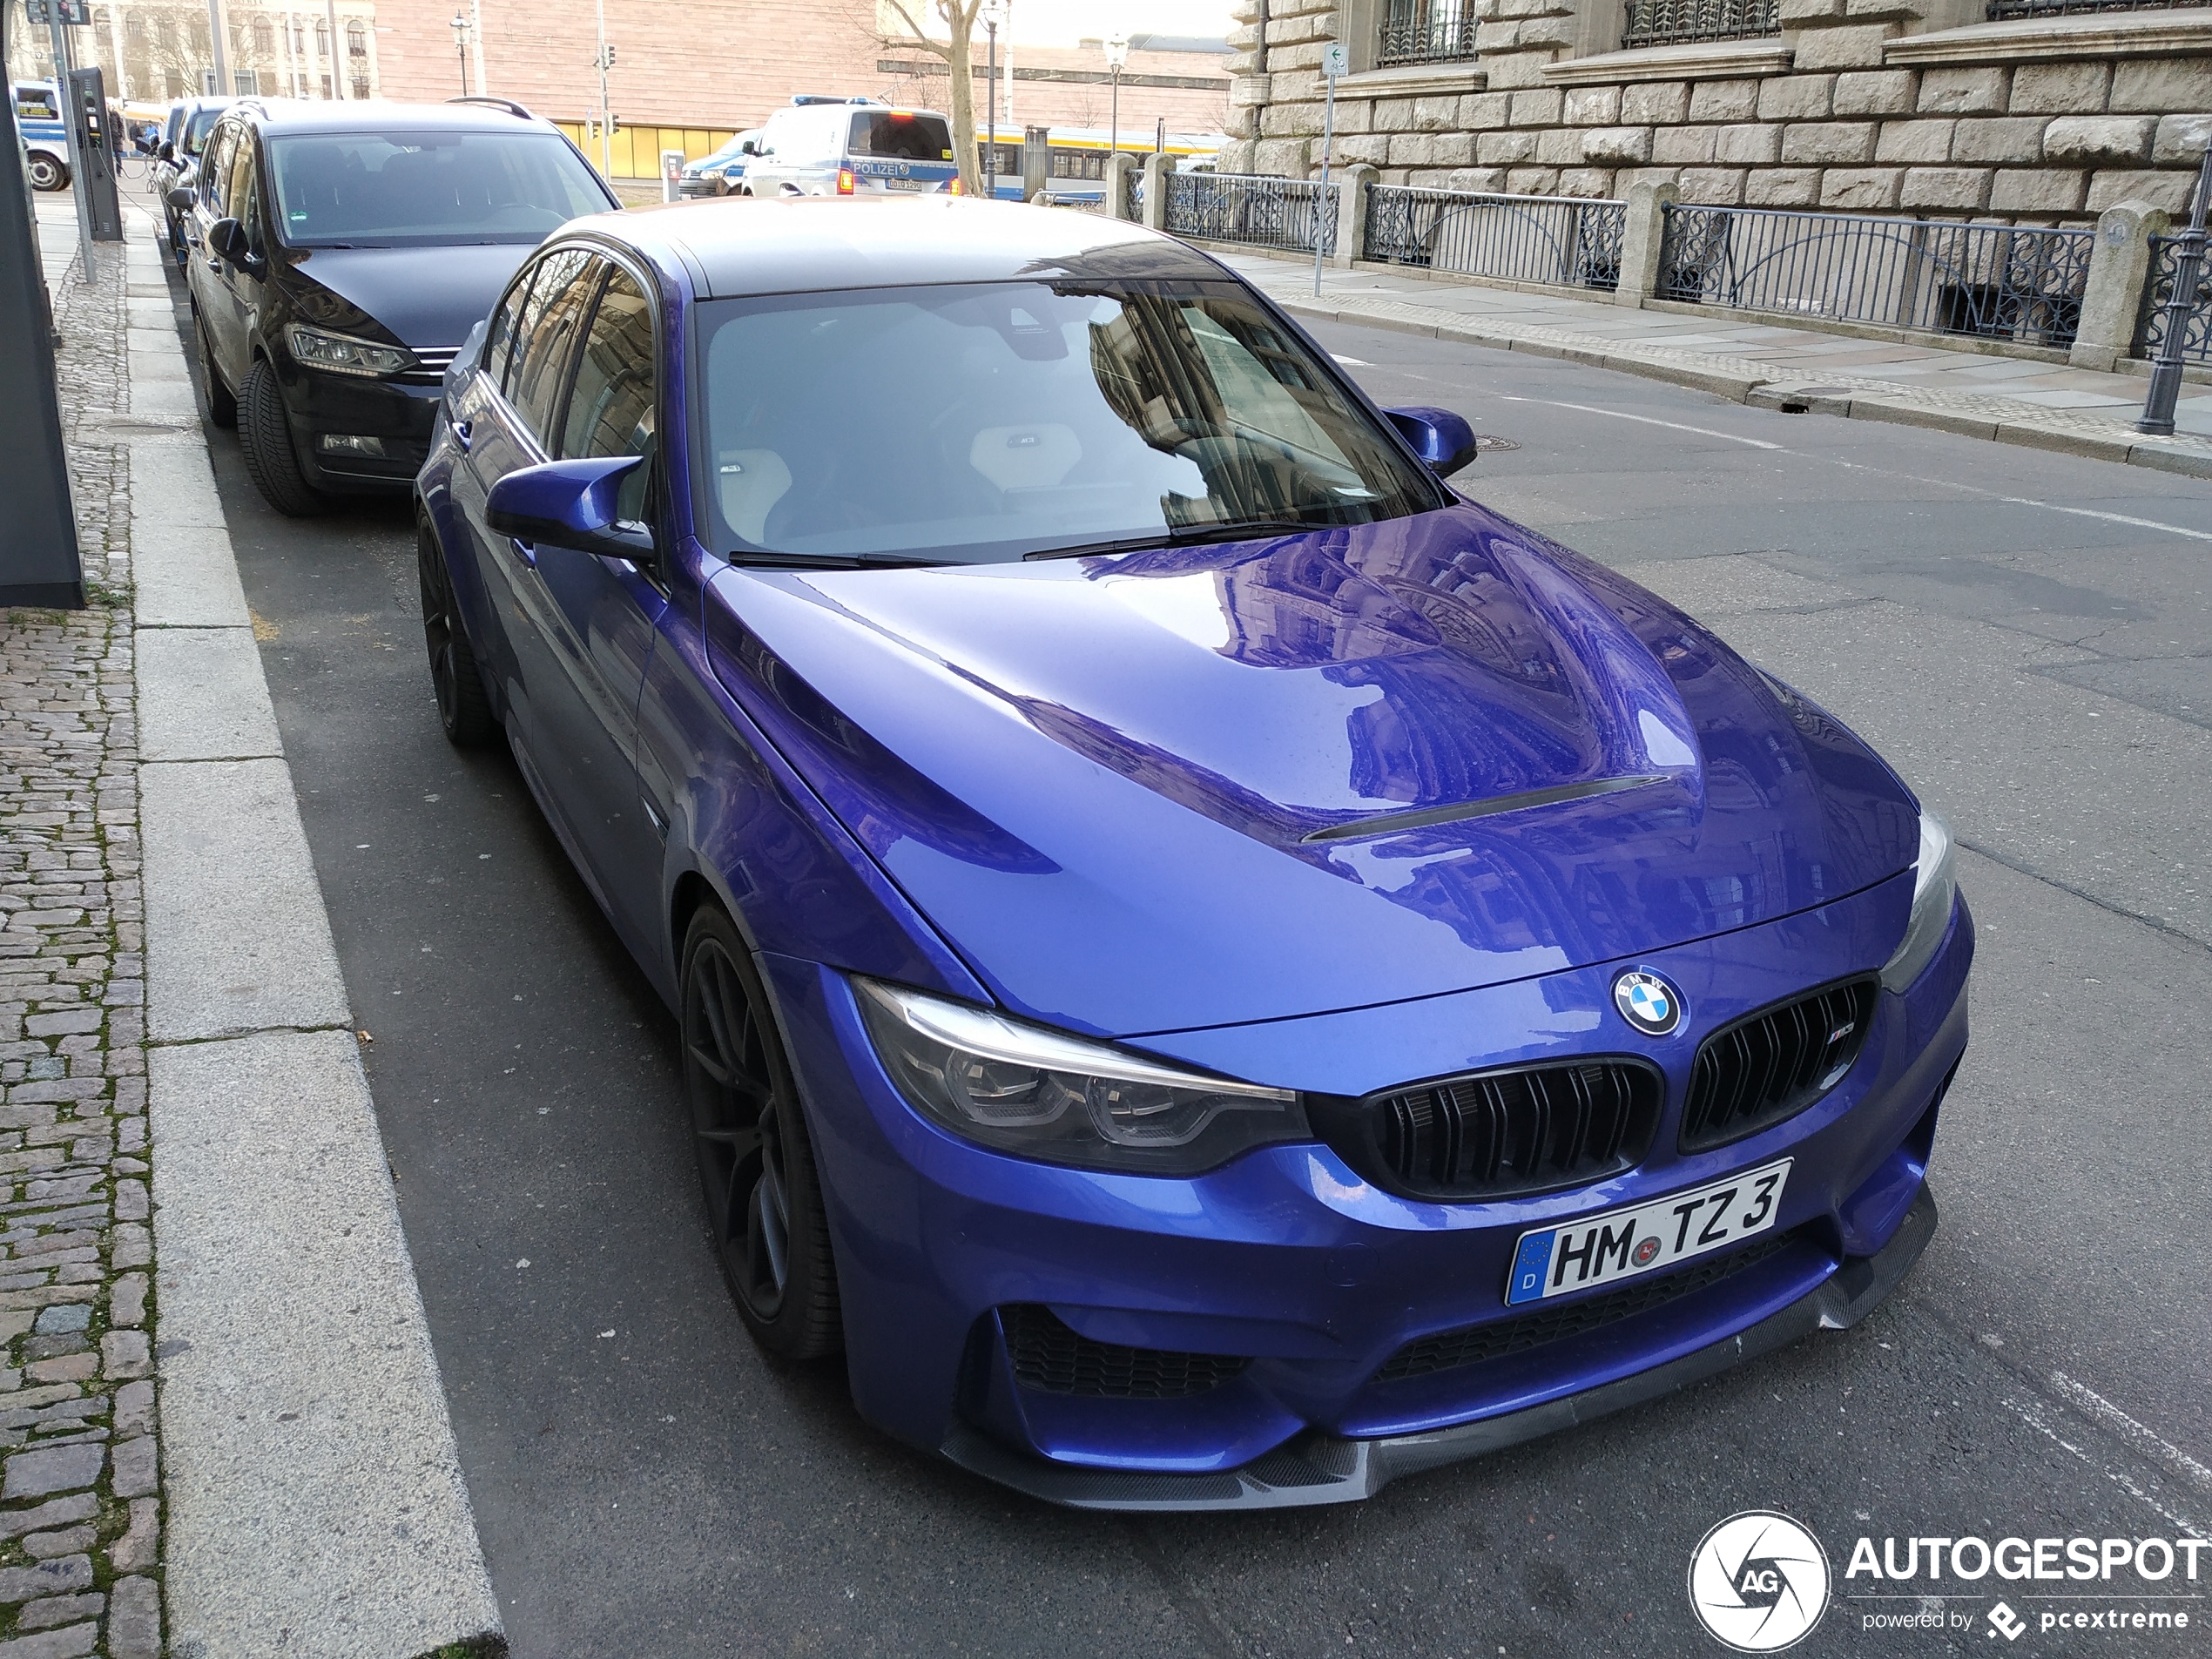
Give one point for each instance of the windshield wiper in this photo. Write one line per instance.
(762, 559)
(1188, 535)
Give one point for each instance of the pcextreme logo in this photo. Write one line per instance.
(1759, 1581)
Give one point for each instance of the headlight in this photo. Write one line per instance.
(343, 354)
(1042, 1093)
(1934, 885)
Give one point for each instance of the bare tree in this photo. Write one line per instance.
(958, 17)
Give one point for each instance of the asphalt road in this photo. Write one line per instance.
(2027, 635)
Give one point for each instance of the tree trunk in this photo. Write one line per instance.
(963, 109)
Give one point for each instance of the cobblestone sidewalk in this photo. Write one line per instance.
(80, 1494)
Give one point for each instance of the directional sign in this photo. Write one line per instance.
(71, 11)
(1336, 59)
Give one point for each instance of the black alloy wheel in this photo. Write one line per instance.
(764, 1203)
(464, 707)
(222, 407)
(265, 436)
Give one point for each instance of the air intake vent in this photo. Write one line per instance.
(1449, 1350)
(1050, 1357)
(1493, 1134)
(1774, 1063)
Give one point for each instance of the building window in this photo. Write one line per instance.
(264, 37)
(134, 28)
(1674, 22)
(360, 86)
(356, 42)
(1425, 31)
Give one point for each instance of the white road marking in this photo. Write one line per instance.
(1351, 362)
(1645, 420)
(2130, 1429)
(2034, 1418)
(2110, 518)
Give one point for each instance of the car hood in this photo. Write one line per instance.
(428, 297)
(1103, 779)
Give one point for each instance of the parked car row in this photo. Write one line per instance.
(1212, 968)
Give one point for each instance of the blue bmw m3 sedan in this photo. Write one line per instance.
(1215, 969)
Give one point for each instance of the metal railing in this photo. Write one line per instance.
(1670, 23)
(1246, 207)
(1133, 195)
(2020, 284)
(2011, 10)
(2150, 324)
(1425, 31)
(1522, 239)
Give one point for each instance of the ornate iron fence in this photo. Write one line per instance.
(1523, 238)
(2020, 284)
(1669, 22)
(1243, 207)
(2150, 322)
(1133, 194)
(1425, 31)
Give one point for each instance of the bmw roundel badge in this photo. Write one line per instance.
(1647, 1003)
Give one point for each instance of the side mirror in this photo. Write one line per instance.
(167, 151)
(570, 503)
(1443, 441)
(748, 148)
(182, 198)
(226, 240)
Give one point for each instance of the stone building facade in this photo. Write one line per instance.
(1922, 107)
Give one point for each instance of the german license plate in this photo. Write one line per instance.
(1627, 1243)
(909, 184)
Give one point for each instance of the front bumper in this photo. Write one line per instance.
(1324, 1468)
(1285, 1258)
(401, 412)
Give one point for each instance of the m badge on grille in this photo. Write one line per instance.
(1647, 1003)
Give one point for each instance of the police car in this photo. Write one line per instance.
(38, 117)
(847, 146)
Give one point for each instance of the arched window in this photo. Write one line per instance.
(264, 37)
(356, 41)
(322, 41)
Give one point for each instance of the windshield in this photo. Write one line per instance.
(197, 129)
(994, 421)
(416, 189)
(902, 136)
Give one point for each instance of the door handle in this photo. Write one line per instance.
(460, 434)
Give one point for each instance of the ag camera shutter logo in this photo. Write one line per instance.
(1759, 1582)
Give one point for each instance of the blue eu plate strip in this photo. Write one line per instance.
(1530, 1263)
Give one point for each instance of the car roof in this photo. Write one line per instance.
(796, 244)
(376, 115)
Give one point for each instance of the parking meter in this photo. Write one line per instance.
(89, 122)
(672, 174)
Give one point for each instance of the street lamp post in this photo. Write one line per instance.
(1117, 59)
(461, 48)
(2180, 300)
(992, 12)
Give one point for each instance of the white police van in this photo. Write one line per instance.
(849, 146)
(45, 140)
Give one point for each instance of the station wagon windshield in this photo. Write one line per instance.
(421, 189)
(1003, 420)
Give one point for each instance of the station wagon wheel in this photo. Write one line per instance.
(756, 1161)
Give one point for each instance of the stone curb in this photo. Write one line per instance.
(316, 1507)
(1761, 390)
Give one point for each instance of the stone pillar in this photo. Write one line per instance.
(1354, 183)
(1640, 239)
(2118, 267)
(1118, 167)
(1156, 168)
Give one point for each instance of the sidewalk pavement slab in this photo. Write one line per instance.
(306, 1520)
(202, 697)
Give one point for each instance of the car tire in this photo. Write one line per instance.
(222, 407)
(46, 173)
(764, 1199)
(464, 706)
(266, 436)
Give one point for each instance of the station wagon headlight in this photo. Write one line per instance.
(343, 354)
(1042, 1093)
(1935, 883)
